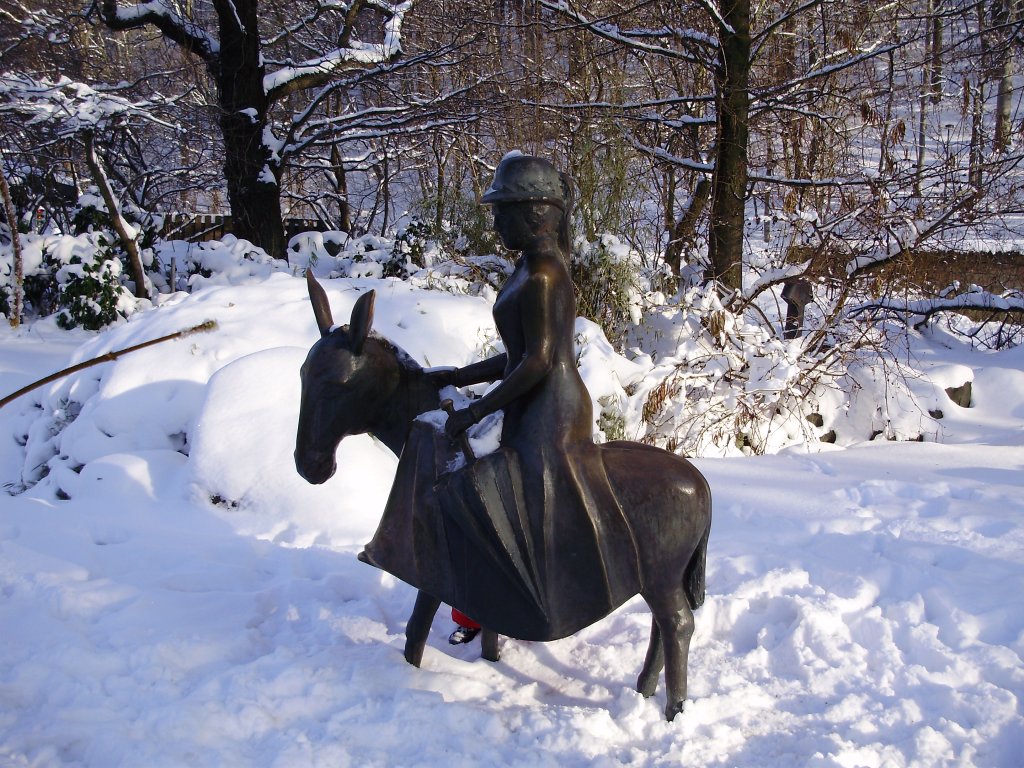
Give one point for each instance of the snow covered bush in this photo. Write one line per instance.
(228, 261)
(80, 277)
(705, 378)
(728, 383)
(472, 229)
(91, 215)
(413, 255)
(411, 250)
(610, 283)
(90, 292)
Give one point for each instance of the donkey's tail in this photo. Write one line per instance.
(693, 578)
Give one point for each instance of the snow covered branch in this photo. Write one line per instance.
(976, 298)
(913, 237)
(161, 15)
(634, 38)
(664, 155)
(827, 70)
(69, 106)
(34, 23)
(349, 55)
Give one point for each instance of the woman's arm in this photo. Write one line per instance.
(486, 370)
(538, 317)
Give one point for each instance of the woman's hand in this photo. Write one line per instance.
(458, 422)
(443, 377)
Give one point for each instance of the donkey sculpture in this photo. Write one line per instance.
(354, 383)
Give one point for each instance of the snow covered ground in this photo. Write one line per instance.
(173, 594)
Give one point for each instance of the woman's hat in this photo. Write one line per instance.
(521, 178)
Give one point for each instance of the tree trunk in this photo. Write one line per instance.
(935, 43)
(125, 234)
(251, 174)
(684, 231)
(1006, 16)
(728, 195)
(976, 159)
(1004, 106)
(341, 189)
(17, 269)
(385, 187)
(922, 123)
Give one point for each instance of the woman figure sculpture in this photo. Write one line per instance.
(564, 555)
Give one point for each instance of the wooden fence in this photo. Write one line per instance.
(931, 270)
(200, 227)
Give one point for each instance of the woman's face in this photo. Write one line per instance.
(510, 222)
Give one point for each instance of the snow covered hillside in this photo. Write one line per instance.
(173, 594)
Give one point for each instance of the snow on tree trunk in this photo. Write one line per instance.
(17, 271)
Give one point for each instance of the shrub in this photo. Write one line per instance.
(411, 249)
(90, 293)
(608, 276)
(79, 277)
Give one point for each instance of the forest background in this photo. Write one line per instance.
(794, 182)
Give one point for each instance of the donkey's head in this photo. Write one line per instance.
(347, 380)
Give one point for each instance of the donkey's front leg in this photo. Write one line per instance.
(418, 627)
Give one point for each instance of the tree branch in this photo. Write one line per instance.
(173, 25)
(614, 34)
(349, 54)
(209, 325)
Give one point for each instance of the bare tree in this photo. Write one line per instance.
(254, 74)
(718, 40)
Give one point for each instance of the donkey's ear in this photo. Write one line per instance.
(321, 306)
(362, 320)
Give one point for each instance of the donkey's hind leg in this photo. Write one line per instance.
(647, 683)
(418, 627)
(675, 622)
(489, 645)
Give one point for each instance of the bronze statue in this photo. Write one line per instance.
(551, 532)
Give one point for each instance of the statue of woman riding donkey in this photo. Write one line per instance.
(550, 532)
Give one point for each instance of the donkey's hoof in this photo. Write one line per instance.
(646, 685)
(672, 709)
(414, 655)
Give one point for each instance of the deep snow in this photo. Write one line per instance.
(193, 602)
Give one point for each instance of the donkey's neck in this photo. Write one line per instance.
(415, 394)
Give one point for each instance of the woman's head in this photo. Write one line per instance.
(529, 197)
(523, 225)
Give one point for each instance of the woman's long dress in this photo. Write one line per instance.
(529, 540)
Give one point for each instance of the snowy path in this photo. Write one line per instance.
(856, 616)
